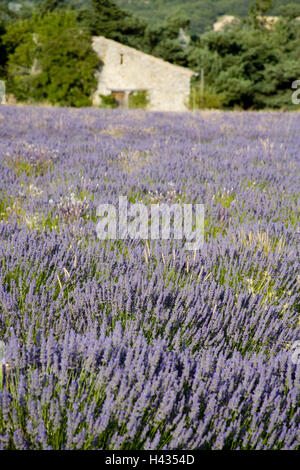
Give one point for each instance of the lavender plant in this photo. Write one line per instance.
(125, 344)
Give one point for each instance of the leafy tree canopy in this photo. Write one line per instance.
(51, 59)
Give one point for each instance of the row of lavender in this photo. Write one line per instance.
(143, 345)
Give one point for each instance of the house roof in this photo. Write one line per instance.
(99, 41)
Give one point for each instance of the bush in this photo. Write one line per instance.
(210, 99)
(138, 99)
(108, 101)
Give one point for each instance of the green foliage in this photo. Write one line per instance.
(260, 7)
(21, 49)
(138, 99)
(257, 10)
(209, 99)
(202, 13)
(16, 34)
(50, 5)
(108, 101)
(253, 68)
(164, 41)
(290, 11)
(107, 19)
(3, 52)
(52, 60)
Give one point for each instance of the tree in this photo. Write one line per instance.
(252, 69)
(3, 51)
(290, 11)
(260, 7)
(164, 41)
(109, 20)
(174, 23)
(20, 48)
(50, 5)
(54, 61)
(257, 10)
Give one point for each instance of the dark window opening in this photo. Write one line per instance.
(121, 59)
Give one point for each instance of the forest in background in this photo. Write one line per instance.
(46, 53)
(202, 13)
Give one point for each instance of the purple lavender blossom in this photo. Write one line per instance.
(107, 349)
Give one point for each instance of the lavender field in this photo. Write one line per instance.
(125, 344)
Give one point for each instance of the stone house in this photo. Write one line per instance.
(268, 22)
(125, 71)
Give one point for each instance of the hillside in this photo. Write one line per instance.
(202, 13)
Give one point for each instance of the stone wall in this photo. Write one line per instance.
(224, 21)
(127, 69)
